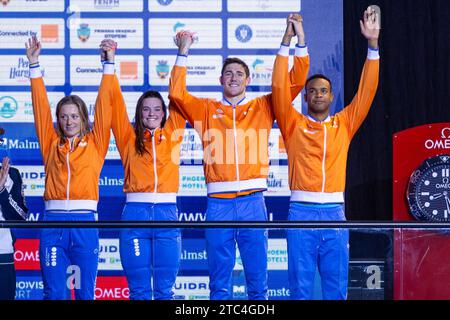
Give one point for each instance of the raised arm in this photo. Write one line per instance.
(102, 118)
(355, 113)
(192, 108)
(11, 193)
(176, 120)
(286, 86)
(41, 108)
(120, 123)
(299, 71)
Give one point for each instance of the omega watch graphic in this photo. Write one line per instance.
(428, 192)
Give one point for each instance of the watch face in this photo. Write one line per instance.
(429, 190)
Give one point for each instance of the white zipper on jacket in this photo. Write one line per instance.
(236, 146)
(324, 155)
(68, 173)
(155, 190)
(154, 163)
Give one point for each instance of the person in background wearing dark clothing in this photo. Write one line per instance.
(12, 207)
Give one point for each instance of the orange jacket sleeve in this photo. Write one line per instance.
(355, 113)
(298, 75)
(285, 87)
(102, 119)
(176, 122)
(120, 123)
(192, 108)
(42, 116)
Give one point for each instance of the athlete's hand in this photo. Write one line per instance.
(183, 40)
(370, 27)
(289, 27)
(108, 50)
(33, 48)
(297, 23)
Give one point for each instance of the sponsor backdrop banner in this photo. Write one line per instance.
(70, 32)
(30, 287)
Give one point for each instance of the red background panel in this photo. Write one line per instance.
(26, 255)
(421, 258)
(112, 288)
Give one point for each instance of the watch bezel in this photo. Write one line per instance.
(413, 182)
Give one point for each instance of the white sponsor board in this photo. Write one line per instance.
(202, 70)
(17, 106)
(33, 178)
(106, 5)
(261, 68)
(87, 70)
(32, 5)
(264, 5)
(159, 69)
(14, 33)
(192, 181)
(191, 147)
(15, 71)
(113, 151)
(255, 33)
(109, 255)
(278, 182)
(191, 288)
(185, 5)
(276, 255)
(162, 31)
(277, 149)
(88, 33)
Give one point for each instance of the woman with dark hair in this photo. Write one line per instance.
(150, 152)
(12, 207)
(73, 156)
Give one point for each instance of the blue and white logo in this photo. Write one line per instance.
(8, 107)
(243, 33)
(84, 32)
(177, 26)
(165, 2)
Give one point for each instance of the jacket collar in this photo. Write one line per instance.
(157, 134)
(327, 119)
(226, 102)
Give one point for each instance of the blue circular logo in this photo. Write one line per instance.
(243, 33)
(8, 107)
(165, 2)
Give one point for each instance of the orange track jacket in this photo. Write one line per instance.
(71, 172)
(235, 138)
(317, 151)
(154, 176)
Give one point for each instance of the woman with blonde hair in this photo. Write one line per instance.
(73, 156)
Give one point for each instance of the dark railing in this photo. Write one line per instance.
(229, 224)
